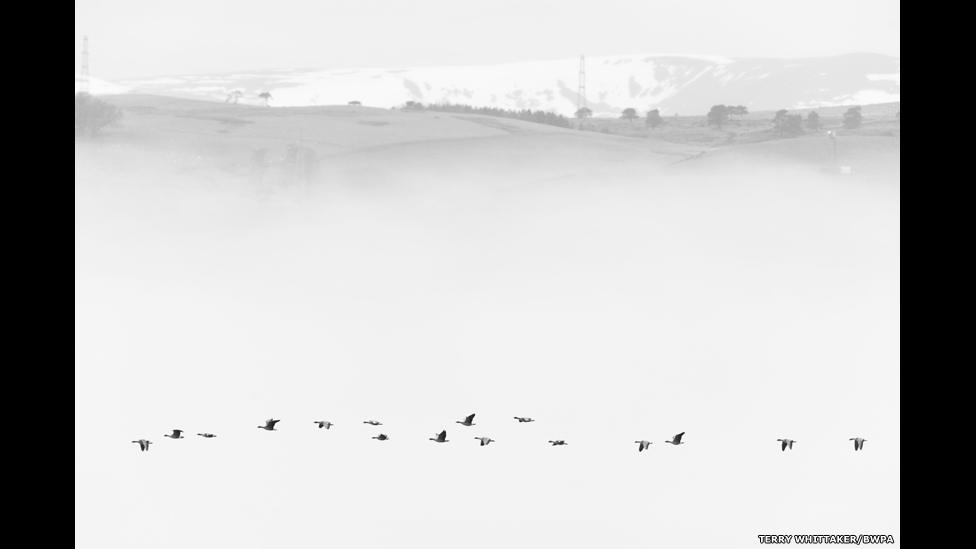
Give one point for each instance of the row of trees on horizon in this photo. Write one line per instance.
(783, 122)
(541, 117)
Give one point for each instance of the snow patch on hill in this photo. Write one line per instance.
(687, 84)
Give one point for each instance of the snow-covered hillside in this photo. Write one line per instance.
(676, 84)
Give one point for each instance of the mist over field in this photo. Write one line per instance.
(437, 265)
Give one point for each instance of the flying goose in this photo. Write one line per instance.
(676, 440)
(373, 422)
(207, 435)
(325, 424)
(381, 437)
(177, 433)
(269, 425)
(558, 442)
(484, 440)
(787, 443)
(644, 444)
(858, 443)
(143, 444)
(441, 437)
(524, 419)
(468, 421)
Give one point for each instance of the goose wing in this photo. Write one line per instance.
(677, 437)
(469, 419)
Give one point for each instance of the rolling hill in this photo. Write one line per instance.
(359, 144)
(675, 84)
(368, 146)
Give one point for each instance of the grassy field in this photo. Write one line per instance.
(357, 144)
(229, 135)
(268, 147)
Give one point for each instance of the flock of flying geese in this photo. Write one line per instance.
(269, 425)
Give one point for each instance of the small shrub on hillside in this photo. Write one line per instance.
(788, 124)
(813, 121)
(853, 118)
(718, 115)
(92, 115)
(653, 119)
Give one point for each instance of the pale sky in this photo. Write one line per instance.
(137, 39)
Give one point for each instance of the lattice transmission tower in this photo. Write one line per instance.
(85, 76)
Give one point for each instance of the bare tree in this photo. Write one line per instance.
(629, 114)
(737, 110)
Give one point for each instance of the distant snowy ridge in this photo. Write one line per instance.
(675, 84)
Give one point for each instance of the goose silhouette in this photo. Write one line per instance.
(441, 437)
(381, 437)
(524, 419)
(484, 440)
(206, 435)
(858, 443)
(558, 442)
(787, 443)
(644, 445)
(177, 433)
(269, 425)
(373, 422)
(468, 421)
(326, 424)
(677, 439)
(143, 444)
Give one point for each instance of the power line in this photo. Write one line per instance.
(581, 93)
